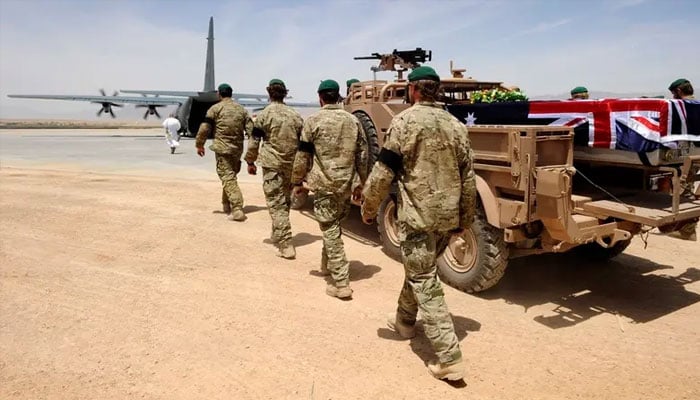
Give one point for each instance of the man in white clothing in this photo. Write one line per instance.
(172, 137)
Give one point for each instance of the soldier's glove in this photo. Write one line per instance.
(298, 189)
(252, 169)
(357, 194)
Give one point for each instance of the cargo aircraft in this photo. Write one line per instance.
(192, 105)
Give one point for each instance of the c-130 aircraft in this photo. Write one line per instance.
(192, 105)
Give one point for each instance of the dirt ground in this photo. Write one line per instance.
(115, 287)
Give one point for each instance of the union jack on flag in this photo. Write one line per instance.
(639, 125)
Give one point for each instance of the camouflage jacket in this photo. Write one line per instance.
(333, 139)
(278, 128)
(230, 122)
(427, 151)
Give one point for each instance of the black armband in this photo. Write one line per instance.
(306, 147)
(258, 133)
(391, 159)
(210, 121)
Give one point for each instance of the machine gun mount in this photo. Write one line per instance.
(399, 61)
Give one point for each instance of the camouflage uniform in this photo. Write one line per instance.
(427, 151)
(334, 140)
(688, 230)
(230, 122)
(278, 128)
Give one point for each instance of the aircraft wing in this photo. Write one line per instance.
(177, 93)
(303, 105)
(148, 101)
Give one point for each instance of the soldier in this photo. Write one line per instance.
(579, 93)
(230, 121)
(349, 83)
(427, 152)
(681, 89)
(277, 127)
(332, 138)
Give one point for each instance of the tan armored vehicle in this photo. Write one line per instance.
(527, 180)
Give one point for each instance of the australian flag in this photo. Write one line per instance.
(639, 125)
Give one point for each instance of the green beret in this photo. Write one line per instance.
(328, 85)
(578, 90)
(276, 82)
(351, 81)
(224, 86)
(423, 73)
(677, 83)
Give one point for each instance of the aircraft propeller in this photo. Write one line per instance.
(107, 105)
(152, 110)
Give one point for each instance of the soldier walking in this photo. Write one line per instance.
(277, 128)
(332, 138)
(229, 121)
(427, 151)
(682, 89)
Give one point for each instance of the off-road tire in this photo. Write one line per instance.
(595, 252)
(488, 261)
(387, 227)
(370, 132)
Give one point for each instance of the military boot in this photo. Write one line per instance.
(341, 292)
(404, 330)
(237, 215)
(452, 372)
(286, 250)
(226, 208)
(324, 265)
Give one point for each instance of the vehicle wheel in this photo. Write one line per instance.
(595, 252)
(476, 259)
(371, 136)
(388, 228)
(299, 201)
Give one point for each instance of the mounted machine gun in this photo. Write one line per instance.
(399, 61)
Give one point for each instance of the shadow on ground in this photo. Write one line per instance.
(353, 227)
(422, 347)
(627, 286)
(358, 271)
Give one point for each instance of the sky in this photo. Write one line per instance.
(545, 47)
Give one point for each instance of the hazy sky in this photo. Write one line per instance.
(545, 47)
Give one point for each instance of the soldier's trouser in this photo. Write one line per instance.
(422, 292)
(228, 166)
(276, 186)
(689, 192)
(330, 209)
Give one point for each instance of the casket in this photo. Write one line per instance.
(643, 131)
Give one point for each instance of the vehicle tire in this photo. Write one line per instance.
(476, 259)
(595, 252)
(388, 228)
(370, 132)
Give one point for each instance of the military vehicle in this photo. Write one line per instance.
(532, 198)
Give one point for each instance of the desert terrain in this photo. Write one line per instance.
(120, 278)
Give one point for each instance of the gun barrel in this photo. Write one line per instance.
(367, 58)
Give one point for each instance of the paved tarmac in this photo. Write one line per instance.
(123, 151)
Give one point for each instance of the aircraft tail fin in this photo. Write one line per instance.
(209, 82)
